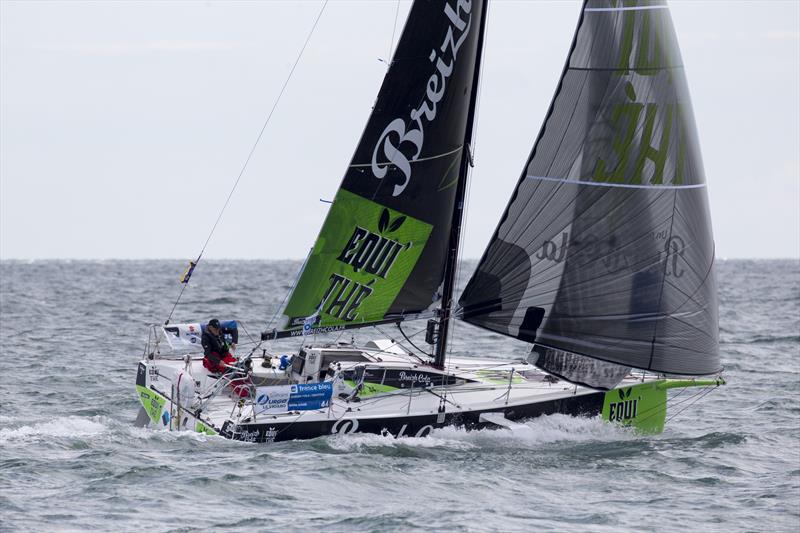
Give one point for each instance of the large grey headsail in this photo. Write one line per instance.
(382, 250)
(605, 251)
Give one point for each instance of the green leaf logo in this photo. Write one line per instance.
(395, 225)
(384, 220)
(386, 223)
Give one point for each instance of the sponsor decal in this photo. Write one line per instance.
(626, 408)
(614, 257)
(152, 402)
(401, 142)
(362, 258)
(368, 252)
(344, 426)
(415, 377)
(329, 329)
(631, 119)
(200, 427)
(645, 52)
(642, 406)
(347, 426)
(272, 399)
(247, 435)
(424, 431)
(270, 434)
(183, 335)
(310, 396)
(302, 397)
(640, 29)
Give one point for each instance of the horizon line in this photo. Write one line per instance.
(184, 260)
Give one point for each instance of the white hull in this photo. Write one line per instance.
(397, 394)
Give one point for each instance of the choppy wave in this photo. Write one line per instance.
(62, 427)
(70, 458)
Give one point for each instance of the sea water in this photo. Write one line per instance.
(71, 459)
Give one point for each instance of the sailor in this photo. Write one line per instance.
(218, 357)
(216, 350)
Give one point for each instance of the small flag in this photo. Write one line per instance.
(308, 323)
(188, 273)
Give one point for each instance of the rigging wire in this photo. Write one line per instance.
(397, 343)
(294, 284)
(394, 31)
(697, 397)
(249, 156)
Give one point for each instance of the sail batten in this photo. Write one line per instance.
(416, 161)
(605, 249)
(617, 185)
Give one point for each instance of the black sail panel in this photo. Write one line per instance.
(381, 251)
(605, 249)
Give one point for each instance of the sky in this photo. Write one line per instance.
(123, 125)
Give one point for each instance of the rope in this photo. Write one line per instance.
(413, 335)
(250, 155)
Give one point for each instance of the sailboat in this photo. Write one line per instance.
(603, 259)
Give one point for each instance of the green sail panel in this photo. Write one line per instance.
(381, 252)
(605, 250)
(359, 264)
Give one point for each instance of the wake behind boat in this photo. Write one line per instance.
(603, 259)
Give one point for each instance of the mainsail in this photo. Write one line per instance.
(381, 252)
(605, 251)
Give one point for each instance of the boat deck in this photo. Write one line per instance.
(492, 386)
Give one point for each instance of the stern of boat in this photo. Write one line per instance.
(166, 399)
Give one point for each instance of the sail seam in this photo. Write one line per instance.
(619, 185)
(614, 69)
(420, 160)
(631, 8)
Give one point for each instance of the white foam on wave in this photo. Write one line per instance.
(542, 430)
(163, 434)
(71, 426)
(96, 427)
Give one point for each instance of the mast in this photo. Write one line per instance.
(451, 262)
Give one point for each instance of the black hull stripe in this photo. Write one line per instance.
(584, 405)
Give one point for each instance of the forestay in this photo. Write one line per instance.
(605, 248)
(381, 251)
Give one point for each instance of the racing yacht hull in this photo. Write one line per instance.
(470, 394)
